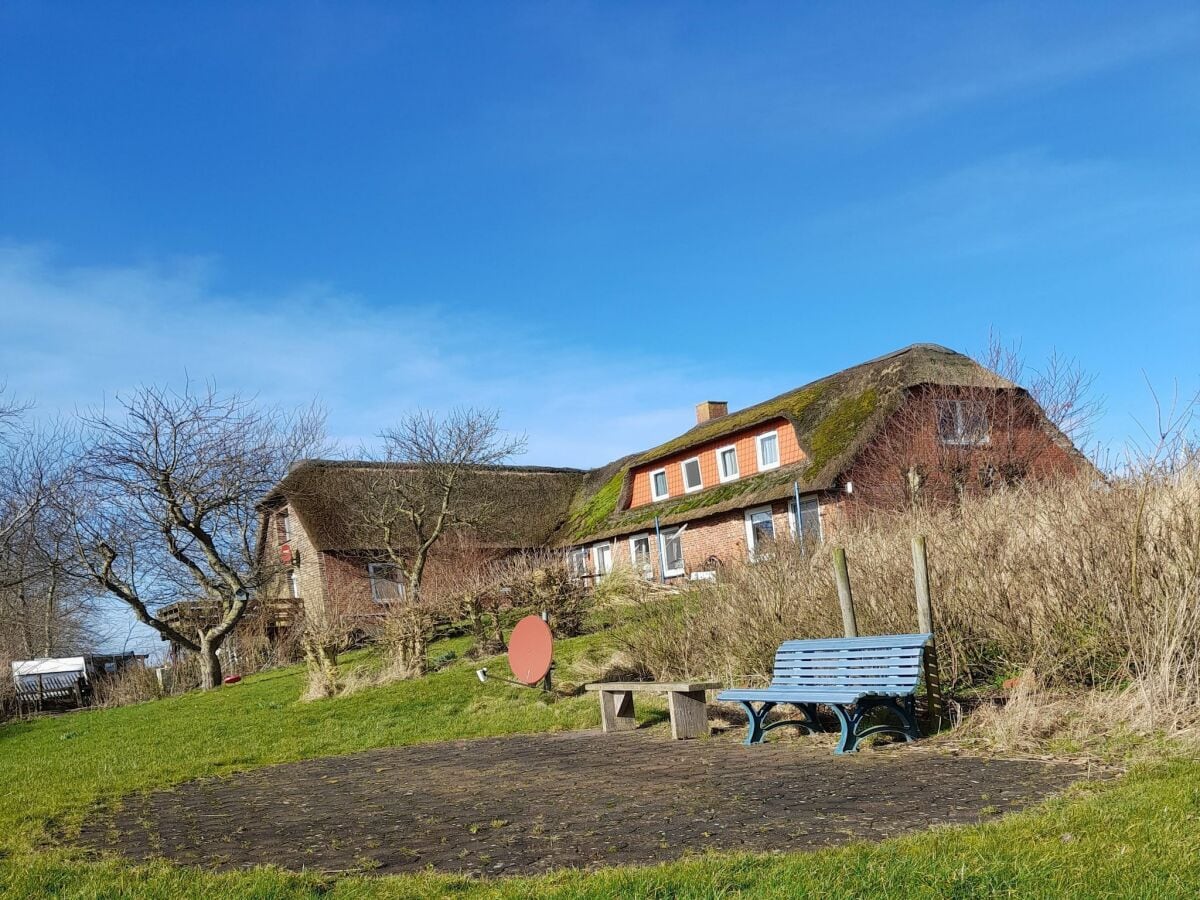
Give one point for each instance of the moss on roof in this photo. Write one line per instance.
(838, 429)
(792, 405)
(524, 506)
(833, 417)
(599, 506)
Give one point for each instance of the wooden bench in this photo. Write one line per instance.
(685, 700)
(851, 676)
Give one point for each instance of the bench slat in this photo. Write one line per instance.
(893, 672)
(872, 641)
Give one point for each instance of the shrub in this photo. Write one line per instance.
(134, 684)
(541, 580)
(1089, 585)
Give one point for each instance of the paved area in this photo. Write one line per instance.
(531, 803)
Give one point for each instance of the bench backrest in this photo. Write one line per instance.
(886, 664)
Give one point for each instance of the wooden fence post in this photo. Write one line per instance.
(933, 680)
(845, 597)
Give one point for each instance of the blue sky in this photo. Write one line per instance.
(590, 216)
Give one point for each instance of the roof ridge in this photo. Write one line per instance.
(373, 463)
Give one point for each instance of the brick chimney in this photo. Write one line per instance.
(711, 409)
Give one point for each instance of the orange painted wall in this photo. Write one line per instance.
(789, 452)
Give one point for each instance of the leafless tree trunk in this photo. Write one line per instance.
(165, 506)
(44, 609)
(417, 493)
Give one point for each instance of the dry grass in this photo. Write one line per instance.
(1090, 586)
(134, 685)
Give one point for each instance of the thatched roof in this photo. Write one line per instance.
(833, 417)
(523, 506)
(512, 507)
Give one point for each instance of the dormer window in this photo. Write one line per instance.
(768, 450)
(658, 485)
(727, 463)
(692, 480)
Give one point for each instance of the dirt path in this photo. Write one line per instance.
(531, 803)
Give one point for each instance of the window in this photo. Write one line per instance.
(692, 481)
(386, 586)
(658, 485)
(962, 422)
(760, 530)
(602, 559)
(810, 519)
(577, 562)
(727, 464)
(672, 540)
(768, 450)
(286, 521)
(294, 583)
(639, 555)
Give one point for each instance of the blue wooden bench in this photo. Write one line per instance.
(852, 676)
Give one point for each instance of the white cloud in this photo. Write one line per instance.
(76, 336)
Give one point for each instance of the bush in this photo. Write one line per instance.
(133, 684)
(541, 580)
(1089, 585)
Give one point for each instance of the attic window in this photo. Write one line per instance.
(727, 463)
(658, 485)
(768, 450)
(692, 480)
(285, 524)
(962, 423)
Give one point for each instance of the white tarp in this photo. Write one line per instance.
(47, 666)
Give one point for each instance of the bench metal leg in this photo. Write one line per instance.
(616, 711)
(689, 714)
(851, 717)
(754, 723)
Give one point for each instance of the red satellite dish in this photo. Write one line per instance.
(530, 650)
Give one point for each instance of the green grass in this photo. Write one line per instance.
(54, 769)
(1139, 836)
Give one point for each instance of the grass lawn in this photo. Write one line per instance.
(1139, 836)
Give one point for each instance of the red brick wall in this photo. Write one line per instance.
(722, 536)
(1019, 449)
(789, 452)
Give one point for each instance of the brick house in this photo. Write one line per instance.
(922, 424)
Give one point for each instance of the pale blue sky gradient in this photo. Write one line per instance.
(590, 216)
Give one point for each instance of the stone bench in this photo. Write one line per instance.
(685, 700)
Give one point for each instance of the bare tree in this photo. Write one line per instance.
(43, 603)
(946, 442)
(415, 496)
(164, 506)
(1061, 387)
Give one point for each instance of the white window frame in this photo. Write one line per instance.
(596, 548)
(737, 466)
(794, 520)
(286, 519)
(654, 495)
(374, 579)
(665, 535)
(758, 442)
(648, 571)
(577, 562)
(294, 583)
(687, 488)
(751, 545)
(960, 439)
